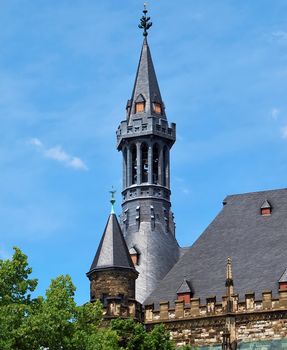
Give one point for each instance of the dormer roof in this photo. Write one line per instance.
(184, 287)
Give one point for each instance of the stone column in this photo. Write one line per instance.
(150, 164)
(139, 165)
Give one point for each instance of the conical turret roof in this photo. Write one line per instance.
(112, 251)
(146, 87)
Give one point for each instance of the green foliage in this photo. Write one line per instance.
(158, 339)
(133, 336)
(15, 285)
(55, 322)
(16, 303)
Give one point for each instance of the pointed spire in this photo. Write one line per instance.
(146, 90)
(112, 251)
(229, 278)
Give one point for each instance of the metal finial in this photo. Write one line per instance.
(145, 24)
(113, 200)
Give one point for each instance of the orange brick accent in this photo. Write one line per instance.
(185, 297)
(282, 285)
(134, 258)
(265, 211)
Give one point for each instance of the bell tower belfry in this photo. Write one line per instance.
(145, 139)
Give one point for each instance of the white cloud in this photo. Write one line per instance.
(275, 113)
(58, 154)
(35, 142)
(280, 34)
(284, 132)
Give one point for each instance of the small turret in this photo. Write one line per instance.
(112, 274)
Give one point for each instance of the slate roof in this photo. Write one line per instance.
(283, 278)
(146, 87)
(112, 251)
(257, 245)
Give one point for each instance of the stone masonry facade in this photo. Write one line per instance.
(205, 324)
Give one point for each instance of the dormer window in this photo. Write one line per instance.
(266, 208)
(134, 254)
(184, 292)
(157, 108)
(283, 281)
(140, 104)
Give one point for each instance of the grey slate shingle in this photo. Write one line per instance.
(257, 245)
(146, 87)
(112, 250)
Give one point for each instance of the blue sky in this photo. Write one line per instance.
(66, 71)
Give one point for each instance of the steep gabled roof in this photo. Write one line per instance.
(146, 86)
(112, 251)
(257, 245)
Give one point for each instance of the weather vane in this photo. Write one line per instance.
(113, 200)
(144, 21)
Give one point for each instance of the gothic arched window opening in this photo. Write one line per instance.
(164, 166)
(134, 164)
(144, 158)
(155, 163)
(125, 167)
(140, 104)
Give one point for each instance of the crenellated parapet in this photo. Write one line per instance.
(114, 307)
(145, 126)
(226, 322)
(213, 308)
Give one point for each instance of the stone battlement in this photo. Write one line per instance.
(212, 308)
(144, 126)
(115, 308)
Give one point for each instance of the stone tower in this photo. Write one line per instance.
(145, 139)
(112, 274)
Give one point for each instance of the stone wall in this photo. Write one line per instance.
(112, 284)
(204, 324)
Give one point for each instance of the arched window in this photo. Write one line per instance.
(140, 104)
(144, 158)
(125, 168)
(134, 164)
(155, 163)
(165, 165)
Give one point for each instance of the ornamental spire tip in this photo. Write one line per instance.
(113, 200)
(145, 23)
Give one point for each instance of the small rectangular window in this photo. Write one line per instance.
(157, 108)
(140, 106)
